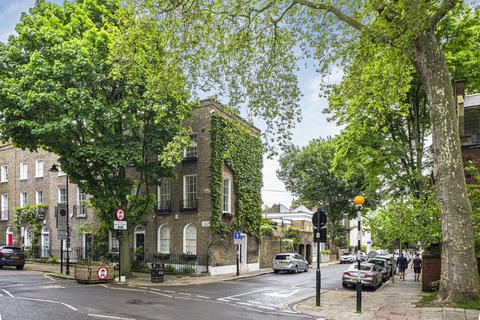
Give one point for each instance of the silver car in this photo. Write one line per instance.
(291, 262)
(370, 275)
(348, 257)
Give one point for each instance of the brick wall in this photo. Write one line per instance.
(430, 270)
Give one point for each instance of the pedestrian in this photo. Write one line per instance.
(417, 266)
(402, 264)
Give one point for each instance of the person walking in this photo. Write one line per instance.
(417, 266)
(402, 264)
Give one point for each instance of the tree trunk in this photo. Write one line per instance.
(459, 275)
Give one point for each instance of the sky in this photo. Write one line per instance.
(313, 125)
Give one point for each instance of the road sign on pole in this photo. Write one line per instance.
(120, 214)
(319, 219)
(102, 273)
(119, 225)
(237, 238)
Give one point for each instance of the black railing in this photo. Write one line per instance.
(189, 205)
(164, 207)
(80, 211)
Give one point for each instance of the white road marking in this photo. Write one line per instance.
(108, 317)
(162, 294)
(265, 307)
(0, 317)
(256, 302)
(187, 294)
(246, 293)
(49, 301)
(52, 286)
(244, 303)
(169, 291)
(203, 297)
(105, 286)
(282, 294)
(14, 285)
(8, 293)
(48, 276)
(69, 306)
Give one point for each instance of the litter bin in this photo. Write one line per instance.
(157, 272)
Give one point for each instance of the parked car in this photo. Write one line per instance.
(370, 275)
(12, 256)
(291, 262)
(347, 257)
(363, 256)
(388, 258)
(383, 265)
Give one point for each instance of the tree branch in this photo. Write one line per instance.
(442, 11)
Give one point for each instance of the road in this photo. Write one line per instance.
(32, 295)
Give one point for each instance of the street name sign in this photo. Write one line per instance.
(119, 225)
(61, 234)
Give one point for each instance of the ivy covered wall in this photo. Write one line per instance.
(233, 144)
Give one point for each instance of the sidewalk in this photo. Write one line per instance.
(391, 302)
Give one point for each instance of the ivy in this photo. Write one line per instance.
(234, 145)
(28, 215)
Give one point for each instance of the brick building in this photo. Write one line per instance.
(179, 226)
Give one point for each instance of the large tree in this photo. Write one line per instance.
(253, 48)
(67, 86)
(306, 172)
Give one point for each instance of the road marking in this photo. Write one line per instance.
(49, 301)
(280, 294)
(256, 302)
(108, 317)
(8, 293)
(187, 294)
(69, 306)
(48, 276)
(144, 288)
(268, 308)
(169, 291)
(244, 303)
(161, 294)
(244, 294)
(52, 286)
(203, 297)
(105, 286)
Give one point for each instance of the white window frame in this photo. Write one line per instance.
(39, 197)
(187, 193)
(4, 173)
(81, 198)
(139, 229)
(163, 193)
(227, 195)
(39, 169)
(191, 150)
(23, 171)
(164, 239)
(4, 206)
(23, 199)
(59, 194)
(27, 239)
(188, 248)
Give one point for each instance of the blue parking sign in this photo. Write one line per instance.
(237, 237)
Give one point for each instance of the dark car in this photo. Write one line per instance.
(383, 265)
(12, 256)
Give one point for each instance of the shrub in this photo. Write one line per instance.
(170, 269)
(52, 259)
(326, 251)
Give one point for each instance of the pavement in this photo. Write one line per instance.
(394, 301)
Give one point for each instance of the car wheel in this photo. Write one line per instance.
(296, 270)
(1, 267)
(344, 284)
(306, 268)
(20, 267)
(276, 271)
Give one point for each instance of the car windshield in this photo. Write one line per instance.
(347, 254)
(10, 249)
(378, 262)
(362, 267)
(282, 256)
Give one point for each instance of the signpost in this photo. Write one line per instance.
(237, 240)
(102, 273)
(119, 225)
(359, 201)
(319, 220)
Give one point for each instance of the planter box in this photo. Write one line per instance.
(324, 257)
(89, 274)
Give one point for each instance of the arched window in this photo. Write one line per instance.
(164, 239)
(190, 239)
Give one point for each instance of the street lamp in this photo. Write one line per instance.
(359, 201)
(54, 168)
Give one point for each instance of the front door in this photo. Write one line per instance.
(45, 245)
(10, 239)
(140, 243)
(243, 254)
(87, 246)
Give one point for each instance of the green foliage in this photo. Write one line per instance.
(292, 234)
(52, 260)
(235, 146)
(474, 194)
(28, 215)
(326, 251)
(407, 220)
(363, 248)
(80, 86)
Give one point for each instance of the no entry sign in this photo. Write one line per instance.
(102, 273)
(120, 214)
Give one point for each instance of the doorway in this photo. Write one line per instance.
(45, 243)
(139, 244)
(243, 254)
(87, 246)
(9, 236)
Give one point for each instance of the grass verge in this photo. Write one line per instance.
(429, 300)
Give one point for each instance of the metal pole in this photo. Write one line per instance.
(61, 255)
(238, 260)
(391, 269)
(67, 271)
(359, 279)
(119, 235)
(319, 279)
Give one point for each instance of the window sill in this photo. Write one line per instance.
(40, 177)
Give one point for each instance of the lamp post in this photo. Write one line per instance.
(359, 201)
(54, 168)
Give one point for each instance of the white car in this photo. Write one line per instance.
(348, 257)
(291, 262)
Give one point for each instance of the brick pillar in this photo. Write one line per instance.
(430, 269)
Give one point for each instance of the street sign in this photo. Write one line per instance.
(319, 219)
(61, 234)
(62, 217)
(320, 236)
(120, 214)
(369, 242)
(237, 238)
(102, 273)
(206, 223)
(119, 225)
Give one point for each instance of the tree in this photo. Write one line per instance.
(252, 48)
(68, 86)
(306, 172)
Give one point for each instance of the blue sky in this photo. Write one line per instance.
(313, 125)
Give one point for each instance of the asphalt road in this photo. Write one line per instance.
(32, 295)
